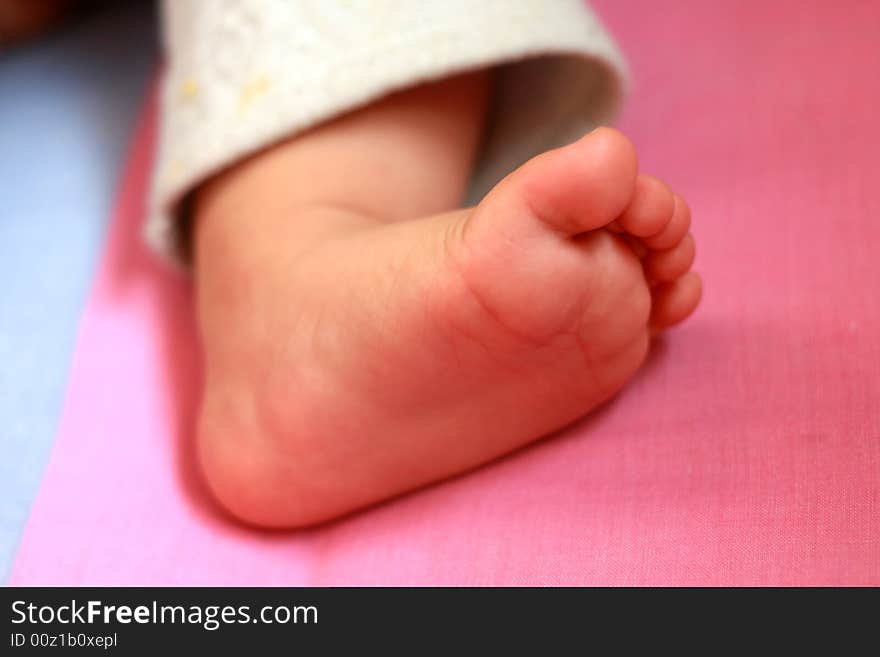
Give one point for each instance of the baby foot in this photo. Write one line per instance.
(370, 359)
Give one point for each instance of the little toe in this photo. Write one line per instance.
(673, 302)
(650, 209)
(666, 266)
(675, 230)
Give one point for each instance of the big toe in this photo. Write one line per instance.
(569, 190)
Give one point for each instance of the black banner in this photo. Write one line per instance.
(331, 621)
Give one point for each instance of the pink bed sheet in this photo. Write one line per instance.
(746, 452)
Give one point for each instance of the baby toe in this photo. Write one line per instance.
(650, 209)
(665, 266)
(676, 228)
(672, 303)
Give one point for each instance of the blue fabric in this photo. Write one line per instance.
(68, 103)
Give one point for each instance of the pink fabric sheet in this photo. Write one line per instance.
(746, 452)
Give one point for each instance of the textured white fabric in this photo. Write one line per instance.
(242, 74)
